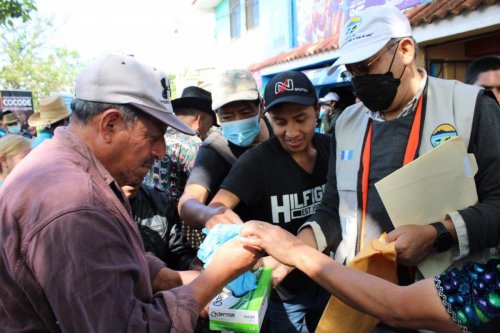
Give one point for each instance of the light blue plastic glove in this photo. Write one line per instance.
(217, 236)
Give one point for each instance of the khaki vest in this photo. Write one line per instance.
(447, 103)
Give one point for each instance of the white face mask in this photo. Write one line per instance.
(14, 129)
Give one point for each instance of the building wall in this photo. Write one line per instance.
(272, 35)
(285, 24)
(456, 54)
(222, 31)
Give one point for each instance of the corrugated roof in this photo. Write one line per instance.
(418, 15)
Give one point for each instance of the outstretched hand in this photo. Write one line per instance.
(276, 241)
(241, 257)
(280, 271)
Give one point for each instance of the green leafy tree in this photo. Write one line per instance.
(12, 9)
(29, 62)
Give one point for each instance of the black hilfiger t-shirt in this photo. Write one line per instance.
(274, 187)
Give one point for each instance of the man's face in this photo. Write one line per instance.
(293, 124)
(490, 80)
(379, 82)
(379, 63)
(237, 111)
(136, 148)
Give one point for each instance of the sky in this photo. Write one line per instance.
(168, 34)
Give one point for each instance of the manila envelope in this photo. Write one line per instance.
(425, 190)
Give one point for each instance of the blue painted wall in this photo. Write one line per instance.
(275, 19)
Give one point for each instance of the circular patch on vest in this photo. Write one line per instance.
(442, 133)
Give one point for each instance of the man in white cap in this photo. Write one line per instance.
(53, 113)
(403, 113)
(330, 111)
(72, 257)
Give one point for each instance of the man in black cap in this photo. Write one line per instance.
(194, 108)
(281, 181)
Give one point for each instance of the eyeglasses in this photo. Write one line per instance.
(361, 69)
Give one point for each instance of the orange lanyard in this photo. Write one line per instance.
(411, 151)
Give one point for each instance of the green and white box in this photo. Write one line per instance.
(241, 314)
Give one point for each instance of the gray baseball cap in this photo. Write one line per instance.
(123, 80)
(233, 85)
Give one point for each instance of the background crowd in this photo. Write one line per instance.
(120, 188)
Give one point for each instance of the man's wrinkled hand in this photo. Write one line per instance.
(234, 258)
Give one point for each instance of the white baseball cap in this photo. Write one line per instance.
(368, 32)
(120, 79)
(233, 85)
(331, 96)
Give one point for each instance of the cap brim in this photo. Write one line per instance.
(167, 118)
(196, 103)
(354, 53)
(238, 96)
(302, 100)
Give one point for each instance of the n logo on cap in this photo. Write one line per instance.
(280, 87)
(166, 88)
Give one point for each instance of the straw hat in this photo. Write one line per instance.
(10, 117)
(52, 109)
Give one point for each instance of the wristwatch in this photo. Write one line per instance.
(444, 239)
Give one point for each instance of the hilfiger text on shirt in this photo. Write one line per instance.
(287, 207)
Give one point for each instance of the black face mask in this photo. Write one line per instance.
(377, 91)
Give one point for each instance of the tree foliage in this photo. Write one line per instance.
(12, 9)
(29, 62)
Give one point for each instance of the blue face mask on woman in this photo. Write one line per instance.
(241, 132)
(14, 129)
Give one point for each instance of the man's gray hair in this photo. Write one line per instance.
(394, 41)
(84, 111)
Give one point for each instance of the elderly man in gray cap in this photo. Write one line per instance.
(72, 257)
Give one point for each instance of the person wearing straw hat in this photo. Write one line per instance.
(53, 113)
(11, 124)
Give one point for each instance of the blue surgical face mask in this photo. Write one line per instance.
(14, 129)
(241, 132)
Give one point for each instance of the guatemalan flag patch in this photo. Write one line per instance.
(346, 155)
